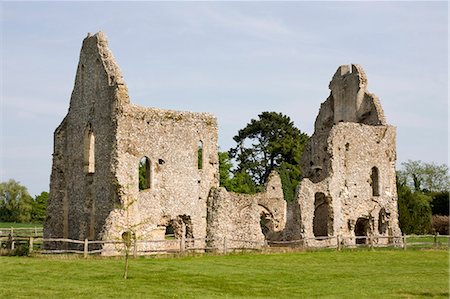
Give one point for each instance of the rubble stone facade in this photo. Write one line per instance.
(96, 191)
(119, 168)
(349, 182)
(233, 217)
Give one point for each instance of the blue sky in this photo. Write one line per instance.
(233, 59)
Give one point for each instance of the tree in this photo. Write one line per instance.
(414, 211)
(425, 177)
(39, 210)
(15, 202)
(440, 203)
(240, 182)
(225, 166)
(271, 142)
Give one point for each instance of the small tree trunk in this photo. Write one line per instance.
(125, 274)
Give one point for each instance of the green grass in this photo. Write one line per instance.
(19, 225)
(320, 274)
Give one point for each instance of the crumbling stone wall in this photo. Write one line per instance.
(94, 191)
(235, 218)
(349, 183)
(348, 186)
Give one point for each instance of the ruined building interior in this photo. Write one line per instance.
(118, 167)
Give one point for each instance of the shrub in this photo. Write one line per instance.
(440, 224)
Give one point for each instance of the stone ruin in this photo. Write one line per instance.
(120, 168)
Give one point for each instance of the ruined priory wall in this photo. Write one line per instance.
(235, 217)
(356, 149)
(80, 200)
(169, 139)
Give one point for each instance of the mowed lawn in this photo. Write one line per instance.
(19, 225)
(330, 274)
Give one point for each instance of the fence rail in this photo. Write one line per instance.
(21, 232)
(142, 247)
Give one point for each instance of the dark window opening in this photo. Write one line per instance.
(375, 181)
(200, 155)
(382, 221)
(144, 173)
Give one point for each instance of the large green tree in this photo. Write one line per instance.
(271, 142)
(15, 202)
(239, 182)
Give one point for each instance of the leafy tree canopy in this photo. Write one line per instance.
(15, 202)
(425, 177)
(271, 142)
(414, 211)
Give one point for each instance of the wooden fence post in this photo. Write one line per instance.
(404, 242)
(135, 248)
(86, 248)
(30, 248)
(435, 239)
(338, 243)
(371, 242)
(225, 249)
(182, 243)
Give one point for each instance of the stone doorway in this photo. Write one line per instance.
(362, 230)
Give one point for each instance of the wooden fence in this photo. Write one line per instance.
(34, 244)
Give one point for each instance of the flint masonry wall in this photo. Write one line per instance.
(94, 190)
(82, 192)
(178, 188)
(349, 184)
(258, 217)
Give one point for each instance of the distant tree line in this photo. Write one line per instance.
(423, 197)
(16, 204)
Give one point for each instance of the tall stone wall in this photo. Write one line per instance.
(94, 191)
(119, 168)
(82, 192)
(349, 183)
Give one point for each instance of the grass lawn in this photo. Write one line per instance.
(19, 225)
(346, 274)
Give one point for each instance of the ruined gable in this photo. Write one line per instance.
(95, 191)
(349, 183)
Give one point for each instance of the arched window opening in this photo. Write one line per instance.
(382, 221)
(89, 150)
(323, 219)
(200, 155)
(144, 173)
(375, 179)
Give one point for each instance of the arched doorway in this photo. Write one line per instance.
(323, 216)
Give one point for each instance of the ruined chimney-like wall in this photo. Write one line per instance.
(348, 166)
